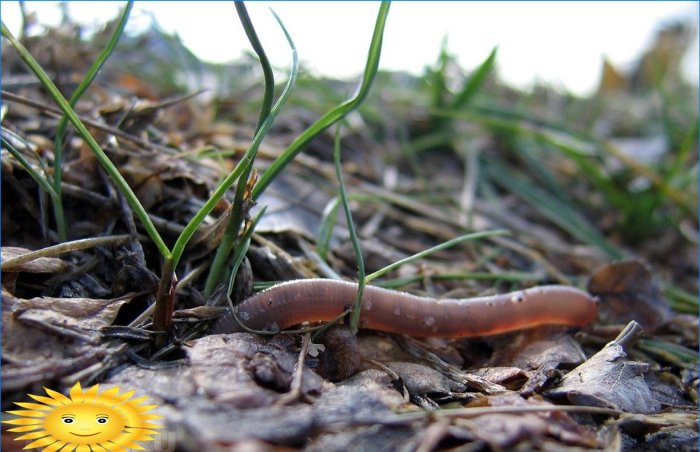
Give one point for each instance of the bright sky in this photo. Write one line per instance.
(560, 43)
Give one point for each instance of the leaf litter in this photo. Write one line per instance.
(82, 314)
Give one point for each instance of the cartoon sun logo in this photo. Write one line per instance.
(85, 421)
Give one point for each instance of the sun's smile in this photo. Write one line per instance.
(85, 419)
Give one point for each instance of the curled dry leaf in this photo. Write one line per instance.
(88, 314)
(423, 381)
(608, 379)
(628, 291)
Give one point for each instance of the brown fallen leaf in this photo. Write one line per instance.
(507, 430)
(49, 339)
(628, 291)
(608, 379)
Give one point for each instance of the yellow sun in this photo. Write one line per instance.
(85, 421)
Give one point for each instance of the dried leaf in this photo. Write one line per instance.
(608, 379)
(87, 313)
(507, 430)
(237, 368)
(628, 291)
(34, 355)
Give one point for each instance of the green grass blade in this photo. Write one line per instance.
(355, 316)
(40, 180)
(325, 230)
(235, 220)
(63, 124)
(429, 251)
(680, 300)
(242, 249)
(334, 114)
(268, 76)
(246, 160)
(472, 86)
(100, 155)
(668, 351)
(558, 212)
(437, 79)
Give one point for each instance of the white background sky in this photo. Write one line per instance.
(560, 43)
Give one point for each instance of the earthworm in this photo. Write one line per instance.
(314, 300)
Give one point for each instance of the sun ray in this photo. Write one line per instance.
(27, 428)
(63, 400)
(54, 447)
(33, 435)
(33, 406)
(41, 442)
(47, 400)
(23, 421)
(28, 413)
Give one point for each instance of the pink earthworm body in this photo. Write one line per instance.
(314, 300)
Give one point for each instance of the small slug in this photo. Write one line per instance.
(314, 300)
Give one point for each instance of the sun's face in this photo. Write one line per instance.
(84, 424)
(85, 419)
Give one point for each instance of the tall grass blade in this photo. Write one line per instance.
(472, 86)
(463, 238)
(558, 212)
(357, 308)
(243, 167)
(235, 220)
(268, 75)
(42, 181)
(241, 251)
(63, 124)
(334, 114)
(325, 230)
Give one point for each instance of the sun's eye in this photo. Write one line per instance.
(102, 420)
(68, 420)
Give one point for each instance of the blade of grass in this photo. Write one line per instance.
(429, 251)
(551, 134)
(465, 94)
(681, 300)
(472, 86)
(63, 124)
(680, 162)
(668, 351)
(241, 250)
(235, 220)
(334, 114)
(100, 155)
(40, 180)
(512, 277)
(325, 230)
(437, 79)
(246, 164)
(268, 75)
(558, 212)
(357, 307)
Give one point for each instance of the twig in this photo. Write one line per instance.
(295, 388)
(61, 248)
